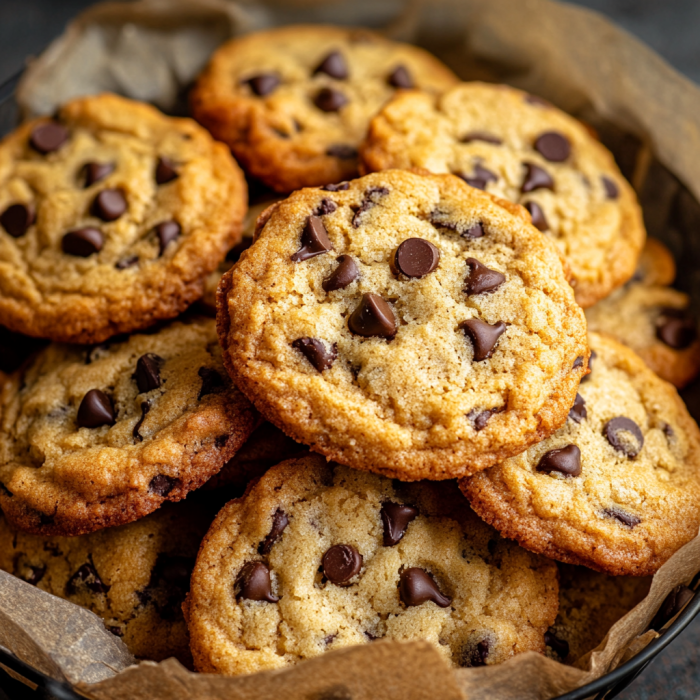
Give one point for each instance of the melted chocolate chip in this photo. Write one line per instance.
(372, 195)
(565, 460)
(162, 485)
(316, 353)
(83, 242)
(136, 432)
(340, 563)
(314, 240)
(396, 518)
(592, 357)
(343, 275)
(17, 218)
(480, 419)
(553, 146)
(484, 336)
(235, 253)
(416, 258)
(482, 279)
(559, 646)
(166, 232)
(126, 263)
(165, 171)
(400, 78)
(263, 84)
(48, 137)
(612, 191)
(539, 220)
(334, 65)
(373, 317)
(91, 173)
(536, 178)
(253, 583)
(674, 602)
(279, 524)
(148, 372)
(330, 100)
(624, 435)
(342, 151)
(336, 187)
(480, 178)
(87, 576)
(481, 136)
(95, 410)
(578, 411)
(417, 586)
(109, 205)
(442, 220)
(327, 206)
(676, 328)
(476, 655)
(622, 516)
(211, 381)
(32, 574)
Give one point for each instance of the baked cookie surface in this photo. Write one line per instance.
(318, 557)
(404, 323)
(111, 217)
(617, 488)
(99, 436)
(522, 149)
(294, 103)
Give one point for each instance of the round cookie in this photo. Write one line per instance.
(524, 150)
(100, 436)
(135, 577)
(294, 103)
(318, 557)
(656, 265)
(617, 488)
(380, 368)
(111, 217)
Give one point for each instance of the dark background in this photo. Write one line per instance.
(671, 27)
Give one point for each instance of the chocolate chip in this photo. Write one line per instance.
(165, 171)
(126, 263)
(669, 432)
(676, 328)
(370, 199)
(136, 432)
(578, 411)
(86, 575)
(480, 178)
(482, 279)
(612, 191)
(373, 317)
(148, 372)
(330, 100)
(480, 419)
(95, 410)
(416, 587)
(253, 583)
(624, 435)
(674, 602)
(343, 152)
(539, 220)
(340, 563)
(565, 460)
(476, 655)
(334, 65)
(559, 646)
(622, 516)
(167, 232)
(481, 136)
(396, 518)
(235, 253)
(553, 146)
(48, 137)
(211, 381)
(536, 178)
(416, 258)
(484, 336)
(109, 205)
(94, 172)
(279, 524)
(314, 240)
(32, 574)
(263, 84)
(327, 206)
(592, 357)
(343, 275)
(400, 78)
(162, 485)
(336, 187)
(17, 218)
(578, 362)
(316, 353)
(83, 242)
(475, 231)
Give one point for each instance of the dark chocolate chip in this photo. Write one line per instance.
(612, 191)
(624, 435)
(539, 220)
(327, 640)
(559, 646)
(565, 460)
(17, 218)
(622, 516)
(674, 602)
(578, 411)
(327, 206)
(342, 151)
(279, 523)
(482, 279)
(253, 583)
(263, 84)
(109, 205)
(484, 336)
(162, 485)
(536, 178)
(314, 240)
(372, 195)
(475, 231)
(443, 220)
(334, 65)
(676, 328)
(481, 136)
(165, 171)
(340, 563)
(336, 187)
(48, 137)
(396, 518)
(136, 432)
(330, 100)
(211, 381)
(126, 263)
(32, 574)
(316, 352)
(373, 317)
(343, 275)
(235, 253)
(167, 232)
(417, 586)
(669, 432)
(578, 362)
(94, 172)
(86, 575)
(416, 258)
(400, 78)
(553, 146)
(592, 357)
(480, 178)
(116, 631)
(476, 655)
(148, 372)
(83, 242)
(95, 410)
(480, 419)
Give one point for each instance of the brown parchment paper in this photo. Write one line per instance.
(645, 111)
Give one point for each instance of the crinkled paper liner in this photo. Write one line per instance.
(645, 111)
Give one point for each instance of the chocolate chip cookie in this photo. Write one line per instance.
(404, 323)
(501, 140)
(319, 557)
(111, 217)
(294, 103)
(617, 488)
(135, 577)
(99, 436)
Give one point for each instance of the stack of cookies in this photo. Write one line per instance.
(405, 420)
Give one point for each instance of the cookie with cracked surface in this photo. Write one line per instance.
(111, 217)
(294, 103)
(135, 576)
(500, 140)
(404, 323)
(318, 557)
(617, 488)
(100, 436)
